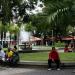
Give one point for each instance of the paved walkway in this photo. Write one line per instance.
(33, 71)
(36, 71)
(44, 64)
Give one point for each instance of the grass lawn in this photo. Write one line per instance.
(43, 56)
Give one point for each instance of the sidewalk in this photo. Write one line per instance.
(44, 64)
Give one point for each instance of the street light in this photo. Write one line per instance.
(52, 38)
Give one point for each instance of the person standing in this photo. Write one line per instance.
(53, 57)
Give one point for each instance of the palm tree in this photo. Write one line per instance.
(58, 12)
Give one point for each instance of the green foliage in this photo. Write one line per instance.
(6, 7)
(57, 15)
(13, 29)
(28, 27)
(60, 14)
(40, 22)
(59, 44)
(1, 27)
(70, 29)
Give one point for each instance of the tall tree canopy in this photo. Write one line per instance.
(10, 9)
(61, 13)
(57, 14)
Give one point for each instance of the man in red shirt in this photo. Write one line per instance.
(54, 57)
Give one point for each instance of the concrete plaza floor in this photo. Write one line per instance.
(35, 71)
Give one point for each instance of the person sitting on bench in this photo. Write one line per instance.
(54, 57)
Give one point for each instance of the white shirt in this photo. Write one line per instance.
(2, 54)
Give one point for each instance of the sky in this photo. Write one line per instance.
(37, 9)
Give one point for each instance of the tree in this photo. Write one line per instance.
(10, 9)
(14, 32)
(40, 22)
(13, 29)
(59, 14)
(14, 10)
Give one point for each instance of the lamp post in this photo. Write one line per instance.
(3, 40)
(52, 39)
(74, 34)
(41, 38)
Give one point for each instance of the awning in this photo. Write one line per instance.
(69, 38)
(35, 39)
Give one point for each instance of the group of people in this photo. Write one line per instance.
(70, 48)
(10, 56)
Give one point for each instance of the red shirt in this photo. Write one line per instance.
(53, 55)
(66, 49)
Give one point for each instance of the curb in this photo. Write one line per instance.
(43, 64)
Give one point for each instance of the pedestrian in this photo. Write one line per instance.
(54, 57)
(66, 49)
(15, 55)
(73, 49)
(2, 56)
(9, 55)
(15, 48)
(72, 43)
(0, 46)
